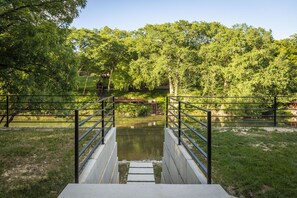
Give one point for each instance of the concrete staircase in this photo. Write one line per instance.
(141, 173)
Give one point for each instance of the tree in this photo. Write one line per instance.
(169, 52)
(105, 53)
(244, 61)
(33, 55)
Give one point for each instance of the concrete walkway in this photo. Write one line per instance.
(143, 191)
(141, 173)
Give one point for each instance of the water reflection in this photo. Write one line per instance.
(141, 141)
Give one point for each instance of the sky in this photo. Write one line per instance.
(279, 16)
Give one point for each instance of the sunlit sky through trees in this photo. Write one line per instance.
(280, 16)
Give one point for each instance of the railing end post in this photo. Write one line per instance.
(113, 111)
(102, 120)
(166, 111)
(209, 142)
(76, 147)
(179, 122)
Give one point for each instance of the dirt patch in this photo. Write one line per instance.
(263, 146)
(280, 129)
(231, 190)
(265, 189)
(19, 175)
(252, 134)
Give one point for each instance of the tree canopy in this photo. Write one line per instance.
(40, 55)
(208, 58)
(34, 57)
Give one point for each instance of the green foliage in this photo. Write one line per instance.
(34, 58)
(133, 110)
(207, 58)
(103, 52)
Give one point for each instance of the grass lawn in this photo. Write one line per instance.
(256, 162)
(246, 162)
(35, 163)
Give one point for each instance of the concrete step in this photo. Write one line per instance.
(141, 171)
(140, 182)
(141, 165)
(143, 191)
(140, 178)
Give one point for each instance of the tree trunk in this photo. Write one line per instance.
(2, 118)
(85, 85)
(171, 89)
(176, 87)
(11, 118)
(109, 80)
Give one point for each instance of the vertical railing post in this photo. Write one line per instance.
(209, 147)
(166, 111)
(7, 111)
(179, 122)
(113, 112)
(102, 120)
(274, 111)
(76, 146)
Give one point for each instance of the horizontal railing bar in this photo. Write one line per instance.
(173, 122)
(108, 121)
(198, 134)
(45, 109)
(89, 130)
(88, 118)
(46, 102)
(189, 104)
(88, 144)
(42, 115)
(238, 109)
(247, 121)
(97, 102)
(232, 116)
(195, 144)
(174, 115)
(70, 121)
(202, 123)
(217, 103)
(175, 108)
(194, 156)
(109, 113)
(220, 97)
(56, 95)
(90, 154)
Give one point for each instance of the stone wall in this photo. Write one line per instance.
(102, 167)
(177, 165)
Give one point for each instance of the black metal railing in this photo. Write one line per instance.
(193, 133)
(92, 122)
(57, 110)
(40, 110)
(251, 111)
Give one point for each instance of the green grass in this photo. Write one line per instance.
(35, 163)
(246, 162)
(255, 162)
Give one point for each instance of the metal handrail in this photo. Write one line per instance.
(179, 121)
(237, 111)
(106, 111)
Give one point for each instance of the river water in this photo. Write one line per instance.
(140, 138)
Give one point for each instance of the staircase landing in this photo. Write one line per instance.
(143, 191)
